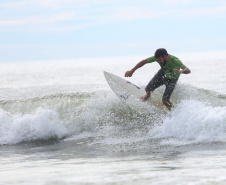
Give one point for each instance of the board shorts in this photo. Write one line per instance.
(160, 79)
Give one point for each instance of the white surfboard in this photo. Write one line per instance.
(127, 91)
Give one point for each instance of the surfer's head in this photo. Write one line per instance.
(161, 52)
(161, 56)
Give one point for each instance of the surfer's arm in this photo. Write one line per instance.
(184, 70)
(140, 64)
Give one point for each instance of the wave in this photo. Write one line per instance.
(41, 125)
(192, 122)
(199, 116)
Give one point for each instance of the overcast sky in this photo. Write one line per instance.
(67, 29)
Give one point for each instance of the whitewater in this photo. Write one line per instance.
(61, 124)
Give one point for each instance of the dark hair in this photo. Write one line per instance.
(161, 52)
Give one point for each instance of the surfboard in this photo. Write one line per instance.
(128, 91)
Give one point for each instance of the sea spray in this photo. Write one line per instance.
(41, 125)
(192, 122)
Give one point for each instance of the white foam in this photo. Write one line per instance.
(42, 124)
(192, 122)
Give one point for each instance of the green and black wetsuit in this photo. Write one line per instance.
(165, 76)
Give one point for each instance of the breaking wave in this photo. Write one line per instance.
(199, 116)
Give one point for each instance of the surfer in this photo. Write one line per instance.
(168, 75)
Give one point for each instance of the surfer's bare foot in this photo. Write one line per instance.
(145, 98)
(168, 104)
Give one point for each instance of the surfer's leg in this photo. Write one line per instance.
(170, 85)
(156, 81)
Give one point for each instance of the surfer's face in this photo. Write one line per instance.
(161, 60)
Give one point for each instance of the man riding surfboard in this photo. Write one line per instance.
(168, 75)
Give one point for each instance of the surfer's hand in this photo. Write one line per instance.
(128, 73)
(177, 71)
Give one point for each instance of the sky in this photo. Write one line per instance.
(33, 30)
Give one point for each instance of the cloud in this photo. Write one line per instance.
(201, 11)
(17, 46)
(44, 15)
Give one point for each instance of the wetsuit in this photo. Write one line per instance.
(165, 76)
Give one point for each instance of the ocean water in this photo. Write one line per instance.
(60, 124)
